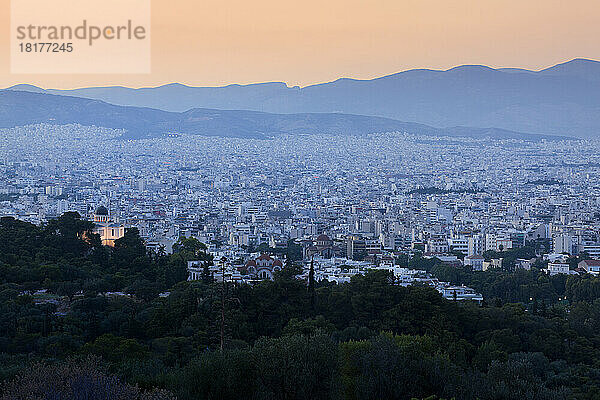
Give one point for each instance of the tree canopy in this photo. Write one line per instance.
(535, 337)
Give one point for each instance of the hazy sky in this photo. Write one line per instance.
(216, 42)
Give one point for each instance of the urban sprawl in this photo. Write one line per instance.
(345, 204)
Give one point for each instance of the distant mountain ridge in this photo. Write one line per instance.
(19, 108)
(561, 100)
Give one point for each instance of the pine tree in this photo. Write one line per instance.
(311, 285)
(206, 275)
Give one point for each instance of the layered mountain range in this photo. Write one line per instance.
(469, 100)
(18, 108)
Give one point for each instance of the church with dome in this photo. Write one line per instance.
(105, 228)
(263, 267)
(322, 247)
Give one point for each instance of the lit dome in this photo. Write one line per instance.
(101, 211)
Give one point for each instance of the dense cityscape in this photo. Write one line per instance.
(349, 202)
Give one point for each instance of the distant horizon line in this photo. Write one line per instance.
(312, 84)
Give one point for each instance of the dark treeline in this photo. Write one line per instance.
(283, 339)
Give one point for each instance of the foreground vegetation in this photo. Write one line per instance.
(285, 339)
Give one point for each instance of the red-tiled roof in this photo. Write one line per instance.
(594, 263)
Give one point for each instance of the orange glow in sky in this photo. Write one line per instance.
(217, 42)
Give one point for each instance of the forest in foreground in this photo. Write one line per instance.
(82, 321)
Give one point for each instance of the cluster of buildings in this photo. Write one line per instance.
(338, 270)
(350, 202)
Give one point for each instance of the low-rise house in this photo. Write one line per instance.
(493, 263)
(475, 261)
(522, 263)
(555, 268)
(590, 266)
(459, 293)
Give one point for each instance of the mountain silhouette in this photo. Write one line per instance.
(561, 100)
(20, 108)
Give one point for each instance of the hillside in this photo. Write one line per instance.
(562, 100)
(20, 108)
